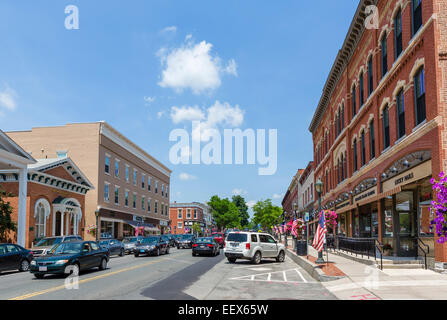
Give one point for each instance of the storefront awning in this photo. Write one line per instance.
(147, 226)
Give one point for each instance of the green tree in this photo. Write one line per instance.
(196, 229)
(225, 213)
(6, 223)
(240, 203)
(266, 214)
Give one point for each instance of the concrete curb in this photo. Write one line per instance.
(311, 268)
(356, 259)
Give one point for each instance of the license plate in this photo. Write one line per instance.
(43, 268)
(235, 244)
(202, 246)
(141, 250)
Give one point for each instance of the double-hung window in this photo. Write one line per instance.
(370, 77)
(384, 56)
(419, 87)
(372, 141)
(107, 165)
(416, 6)
(400, 108)
(386, 128)
(361, 92)
(398, 33)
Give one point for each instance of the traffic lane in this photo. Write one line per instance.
(12, 287)
(122, 283)
(268, 280)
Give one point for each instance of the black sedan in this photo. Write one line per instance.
(114, 246)
(185, 241)
(169, 239)
(70, 258)
(151, 246)
(14, 257)
(208, 246)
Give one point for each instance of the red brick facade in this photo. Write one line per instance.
(338, 132)
(180, 221)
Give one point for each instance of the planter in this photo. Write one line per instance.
(301, 247)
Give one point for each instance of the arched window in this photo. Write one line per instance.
(355, 155)
(370, 76)
(419, 87)
(363, 150)
(342, 168)
(384, 55)
(400, 108)
(39, 218)
(353, 102)
(361, 92)
(398, 34)
(416, 15)
(346, 164)
(372, 140)
(342, 116)
(386, 128)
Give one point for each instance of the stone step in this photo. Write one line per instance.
(401, 266)
(398, 262)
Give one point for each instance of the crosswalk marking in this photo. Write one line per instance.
(284, 276)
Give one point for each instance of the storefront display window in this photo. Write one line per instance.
(106, 229)
(388, 217)
(425, 214)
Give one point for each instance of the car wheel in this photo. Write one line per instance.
(24, 265)
(231, 260)
(103, 264)
(122, 253)
(281, 257)
(158, 252)
(256, 258)
(136, 255)
(193, 254)
(72, 269)
(167, 251)
(39, 276)
(178, 248)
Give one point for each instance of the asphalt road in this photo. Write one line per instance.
(175, 276)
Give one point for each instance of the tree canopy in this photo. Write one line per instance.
(266, 214)
(6, 222)
(225, 213)
(240, 203)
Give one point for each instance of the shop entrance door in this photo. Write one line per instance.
(405, 224)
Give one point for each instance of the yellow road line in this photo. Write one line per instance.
(38, 293)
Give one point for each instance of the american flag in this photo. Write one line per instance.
(295, 224)
(320, 235)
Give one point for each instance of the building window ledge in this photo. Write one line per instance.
(385, 150)
(419, 125)
(400, 139)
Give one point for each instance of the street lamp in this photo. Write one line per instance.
(97, 227)
(319, 189)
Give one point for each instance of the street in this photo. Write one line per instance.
(175, 276)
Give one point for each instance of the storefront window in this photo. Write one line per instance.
(342, 225)
(106, 229)
(356, 225)
(425, 214)
(404, 207)
(128, 230)
(388, 217)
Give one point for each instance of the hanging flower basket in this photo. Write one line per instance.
(439, 207)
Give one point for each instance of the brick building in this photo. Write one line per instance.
(131, 187)
(378, 130)
(184, 215)
(56, 190)
(290, 200)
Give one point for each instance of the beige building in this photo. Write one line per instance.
(131, 187)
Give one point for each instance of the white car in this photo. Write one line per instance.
(253, 246)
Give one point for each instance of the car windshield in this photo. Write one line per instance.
(104, 243)
(204, 240)
(67, 248)
(150, 240)
(215, 234)
(47, 242)
(186, 237)
(237, 237)
(130, 240)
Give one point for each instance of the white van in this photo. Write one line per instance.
(253, 246)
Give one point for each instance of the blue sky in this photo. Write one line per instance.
(267, 60)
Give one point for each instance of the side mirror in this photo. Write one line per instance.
(84, 251)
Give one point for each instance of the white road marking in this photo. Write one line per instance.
(268, 277)
(301, 275)
(284, 275)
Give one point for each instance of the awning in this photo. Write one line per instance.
(390, 192)
(147, 226)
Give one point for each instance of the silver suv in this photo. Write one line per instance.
(253, 246)
(46, 244)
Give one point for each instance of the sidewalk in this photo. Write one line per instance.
(363, 282)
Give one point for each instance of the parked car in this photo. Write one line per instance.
(14, 257)
(114, 246)
(130, 242)
(46, 244)
(151, 246)
(220, 238)
(253, 246)
(177, 238)
(185, 241)
(70, 257)
(205, 245)
(169, 239)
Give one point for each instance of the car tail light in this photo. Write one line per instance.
(211, 246)
(194, 245)
(247, 246)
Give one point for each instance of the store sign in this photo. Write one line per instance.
(409, 176)
(365, 195)
(342, 205)
(138, 219)
(163, 223)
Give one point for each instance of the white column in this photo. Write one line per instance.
(62, 223)
(21, 226)
(54, 222)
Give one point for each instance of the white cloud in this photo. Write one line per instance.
(170, 29)
(277, 196)
(160, 114)
(186, 176)
(192, 66)
(251, 204)
(186, 113)
(149, 100)
(216, 116)
(8, 99)
(238, 192)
